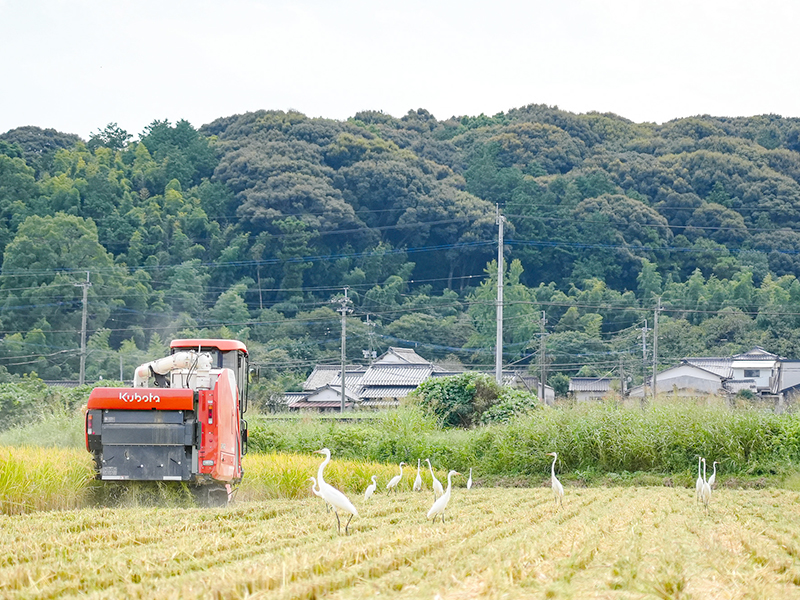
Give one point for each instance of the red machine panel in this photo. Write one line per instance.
(218, 413)
(141, 398)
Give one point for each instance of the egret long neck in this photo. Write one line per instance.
(553, 466)
(449, 482)
(714, 474)
(704, 471)
(321, 467)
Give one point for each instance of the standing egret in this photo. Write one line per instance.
(333, 496)
(317, 493)
(418, 480)
(371, 488)
(439, 506)
(558, 489)
(392, 485)
(469, 481)
(713, 479)
(438, 490)
(706, 493)
(698, 486)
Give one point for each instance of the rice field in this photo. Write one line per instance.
(653, 542)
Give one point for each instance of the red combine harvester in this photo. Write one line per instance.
(188, 426)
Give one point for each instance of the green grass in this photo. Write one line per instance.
(52, 429)
(595, 442)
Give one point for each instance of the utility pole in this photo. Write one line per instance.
(644, 364)
(655, 350)
(370, 354)
(498, 350)
(543, 363)
(344, 308)
(85, 285)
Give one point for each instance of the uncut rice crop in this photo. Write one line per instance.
(43, 479)
(286, 475)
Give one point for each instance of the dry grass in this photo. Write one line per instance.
(605, 543)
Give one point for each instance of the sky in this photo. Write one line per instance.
(78, 65)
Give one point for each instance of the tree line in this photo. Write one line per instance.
(248, 226)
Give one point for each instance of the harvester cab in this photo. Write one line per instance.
(182, 420)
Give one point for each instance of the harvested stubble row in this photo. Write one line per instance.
(605, 543)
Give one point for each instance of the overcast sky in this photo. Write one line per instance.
(77, 65)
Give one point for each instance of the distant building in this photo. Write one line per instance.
(756, 365)
(785, 384)
(328, 398)
(771, 378)
(685, 379)
(391, 377)
(589, 388)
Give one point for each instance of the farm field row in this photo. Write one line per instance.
(605, 543)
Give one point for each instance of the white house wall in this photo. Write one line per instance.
(327, 395)
(686, 380)
(764, 370)
(789, 376)
(688, 385)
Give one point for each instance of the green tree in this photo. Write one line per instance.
(520, 316)
(231, 309)
(111, 136)
(42, 265)
(18, 189)
(649, 281)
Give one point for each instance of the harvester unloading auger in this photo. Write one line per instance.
(187, 427)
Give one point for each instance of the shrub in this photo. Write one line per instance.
(511, 403)
(458, 400)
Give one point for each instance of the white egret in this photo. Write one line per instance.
(392, 485)
(371, 488)
(317, 493)
(698, 486)
(713, 479)
(418, 480)
(333, 496)
(438, 490)
(558, 489)
(706, 493)
(439, 506)
(469, 481)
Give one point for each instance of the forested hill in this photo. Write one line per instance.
(250, 225)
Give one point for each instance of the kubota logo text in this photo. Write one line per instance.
(136, 397)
